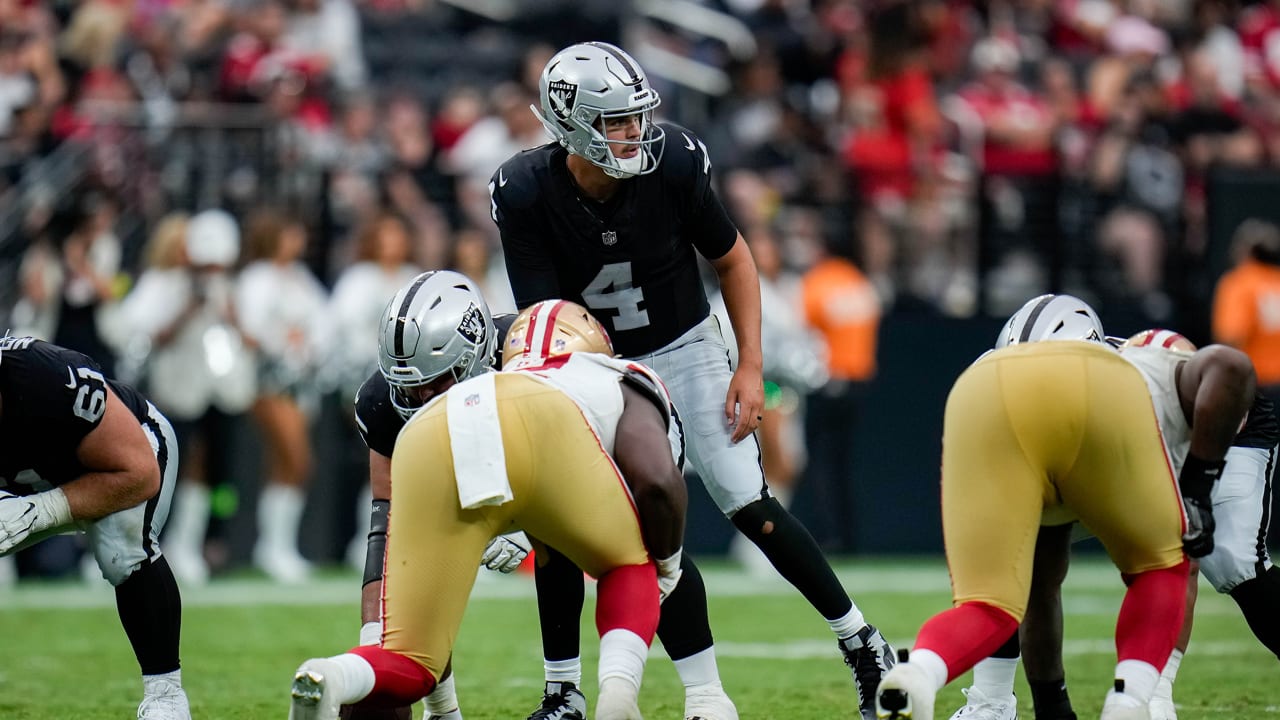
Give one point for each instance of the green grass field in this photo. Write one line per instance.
(242, 638)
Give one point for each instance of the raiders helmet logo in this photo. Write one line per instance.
(472, 325)
(563, 96)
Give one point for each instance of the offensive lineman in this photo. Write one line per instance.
(561, 423)
(1048, 428)
(81, 452)
(612, 215)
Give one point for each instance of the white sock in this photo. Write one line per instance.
(189, 518)
(358, 677)
(1170, 671)
(849, 624)
(279, 515)
(443, 699)
(1139, 683)
(622, 655)
(994, 676)
(699, 669)
(563, 670)
(932, 664)
(162, 683)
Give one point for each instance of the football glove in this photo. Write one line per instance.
(505, 552)
(1196, 483)
(669, 573)
(20, 517)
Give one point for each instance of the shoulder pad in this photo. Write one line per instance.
(644, 379)
(516, 181)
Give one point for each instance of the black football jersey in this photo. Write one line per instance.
(1261, 428)
(52, 398)
(376, 417)
(631, 260)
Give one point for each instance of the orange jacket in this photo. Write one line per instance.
(1246, 315)
(842, 305)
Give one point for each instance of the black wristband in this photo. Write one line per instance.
(377, 541)
(1198, 476)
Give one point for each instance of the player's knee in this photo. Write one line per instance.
(759, 518)
(118, 569)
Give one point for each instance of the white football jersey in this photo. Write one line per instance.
(593, 382)
(1158, 367)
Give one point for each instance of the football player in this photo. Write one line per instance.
(612, 214)
(546, 447)
(1054, 426)
(450, 314)
(1238, 565)
(82, 452)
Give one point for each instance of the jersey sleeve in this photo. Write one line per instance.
(65, 392)
(513, 191)
(706, 222)
(377, 420)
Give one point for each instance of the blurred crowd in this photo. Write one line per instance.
(216, 197)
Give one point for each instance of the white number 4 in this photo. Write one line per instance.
(91, 398)
(611, 290)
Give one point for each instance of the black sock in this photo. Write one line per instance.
(1259, 600)
(794, 554)
(683, 626)
(1051, 701)
(560, 595)
(151, 612)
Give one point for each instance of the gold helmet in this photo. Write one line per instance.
(1157, 337)
(552, 328)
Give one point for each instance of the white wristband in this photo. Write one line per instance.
(52, 510)
(371, 633)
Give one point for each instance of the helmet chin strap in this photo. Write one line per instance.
(627, 167)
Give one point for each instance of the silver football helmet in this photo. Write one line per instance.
(1052, 317)
(437, 324)
(585, 84)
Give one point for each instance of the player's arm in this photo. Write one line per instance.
(529, 267)
(643, 454)
(1216, 388)
(740, 285)
(380, 487)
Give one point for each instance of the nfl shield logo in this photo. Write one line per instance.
(563, 95)
(609, 237)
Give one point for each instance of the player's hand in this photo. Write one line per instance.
(505, 552)
(1197, 541)
(744, 404)
(18, 517)
(669, 573)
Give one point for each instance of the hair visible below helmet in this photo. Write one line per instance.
(438, 324)
(585, 84)
(1159, 337)
(552, 328)
(1052, 317)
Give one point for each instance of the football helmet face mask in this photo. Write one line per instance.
(552, 328)
(583, 87)
(1052, 317)
(436, 326)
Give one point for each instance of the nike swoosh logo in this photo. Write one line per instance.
(689, 142)
(71, 384)
(502, 179)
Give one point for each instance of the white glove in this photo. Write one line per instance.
(23, 516)
(371, 633)
(505, 552)
(668, 574)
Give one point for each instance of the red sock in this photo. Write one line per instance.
(398, 681)
(1151, 614)
(627, 597)
(966, 634)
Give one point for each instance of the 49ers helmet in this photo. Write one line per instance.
(552, 328)
(1159, 337)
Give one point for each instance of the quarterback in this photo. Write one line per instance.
(613, 215)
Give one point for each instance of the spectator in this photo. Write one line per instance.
(1246, 304)
(841, 305)
(329, 32)
(415, 184)
(281, 307)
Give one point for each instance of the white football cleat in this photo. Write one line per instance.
(284, 566)
(710, 703)
(619, 700)
(1162, 709)
(317, 685)
(1116, 712)
(982, 707)
(169, 704)
(905, 693)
